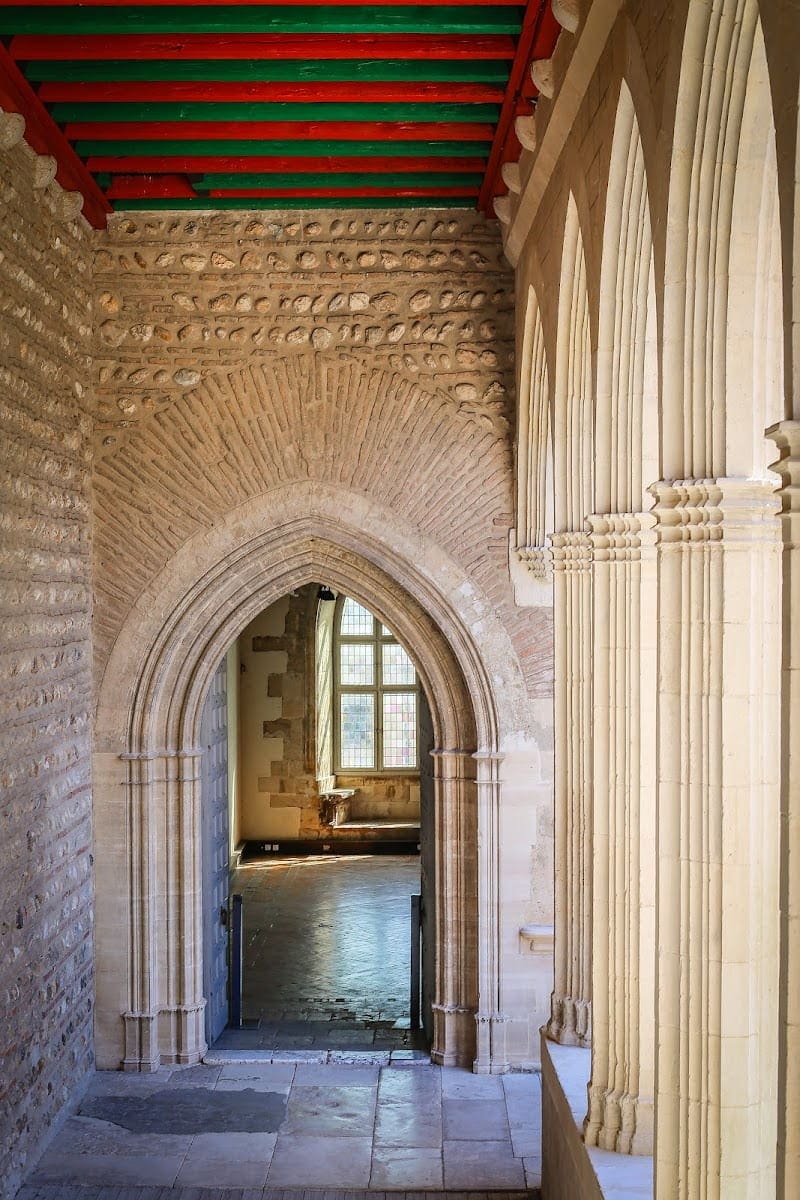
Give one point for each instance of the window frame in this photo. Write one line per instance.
(377, 689)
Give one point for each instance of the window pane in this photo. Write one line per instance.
(358, 730)
(386, 632)
(356, 620)
(356, 664)
(397, 666)
(400, 729)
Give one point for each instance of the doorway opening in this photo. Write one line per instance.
(317, 795)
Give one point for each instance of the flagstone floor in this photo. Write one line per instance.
(198, 1132)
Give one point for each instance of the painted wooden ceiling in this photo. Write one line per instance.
(192, 104)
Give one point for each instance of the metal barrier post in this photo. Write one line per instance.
(236, 962)
(416, 931)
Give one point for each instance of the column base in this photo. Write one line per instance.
(453, 1035)
(570, 1023)
(141, 1042)
(492, 1056)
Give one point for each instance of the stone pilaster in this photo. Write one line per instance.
(164, 1022)
(455, 1003)
(570, 1019)
(491, 1055)
(621, 1090)
(717, 839)
(786, 436)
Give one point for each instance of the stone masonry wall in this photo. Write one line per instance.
(241, 352)
(45, 654)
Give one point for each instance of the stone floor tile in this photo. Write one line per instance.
(533, 1171)
(224, 1172)
(196, 1076)
(307, 1161)
(332, 1111)
(526, 1143)
(343, 1074)
(481, 1165)
(420, 1085)
(458, 1083)
(109, 1169)
(397, 1167)
(92, 1137)
(243, 1147)
(412, 1125)
(475, 1120)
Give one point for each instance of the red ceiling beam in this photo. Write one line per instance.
(43, 135)
(253, 47)
(203, 47)
(538, 38)
(217, 164)
(191, 91)
(263, 3)
(139, 187)
(350, 131)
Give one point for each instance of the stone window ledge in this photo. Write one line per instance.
(570, 1169)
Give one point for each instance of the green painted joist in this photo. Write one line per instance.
(294, 149)
(336, 179)
(436, 19)
(268, 111)
(293, 71)
(309, 205)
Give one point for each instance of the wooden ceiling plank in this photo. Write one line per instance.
(236, 131)
(43, 135)
(335, 178)
(260, 19)
(230, 47)
(202, 165)
(271, 203)
(307, 70)
(344, 193)
(192, 92)
(289, 148)
(276, 111)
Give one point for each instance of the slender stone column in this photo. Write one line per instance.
(786, 435)
(456, 918)
(621, 1090)
(717, 839)
(490, 1019)
(165, 1021)
(141, 1019)
(570, 1019)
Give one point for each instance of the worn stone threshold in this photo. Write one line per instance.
(360, 1058)
(59, 1191)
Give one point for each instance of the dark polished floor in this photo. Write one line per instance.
(327, 944)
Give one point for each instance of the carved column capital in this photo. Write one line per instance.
(572, 551)
(733, 511)
(621, 537)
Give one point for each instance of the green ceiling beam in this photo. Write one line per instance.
(336, 179)
(268, 111)
(293, 71)
(436, 18)
(294, 149)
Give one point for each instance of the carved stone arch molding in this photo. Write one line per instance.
(147, 791)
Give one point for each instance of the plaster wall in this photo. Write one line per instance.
(46, 997)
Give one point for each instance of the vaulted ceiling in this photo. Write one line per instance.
(192, 104)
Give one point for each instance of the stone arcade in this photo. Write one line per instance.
(558, 455)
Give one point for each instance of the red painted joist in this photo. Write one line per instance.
(263, 3)
(537, 39)
(140, 186)
(192, 91)
(201, 47)
(349, 131)
(169, 165)
(343, 193)
(43, 135)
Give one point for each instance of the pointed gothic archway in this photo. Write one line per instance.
(147, 790)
